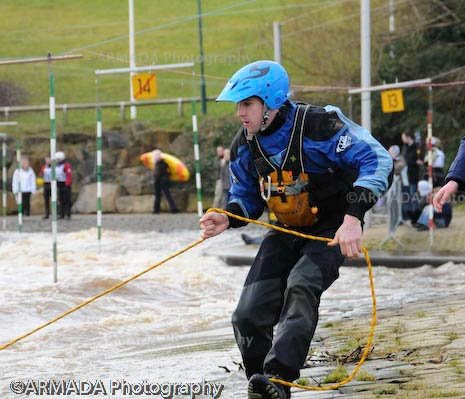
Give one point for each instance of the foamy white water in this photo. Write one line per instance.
(170, 325)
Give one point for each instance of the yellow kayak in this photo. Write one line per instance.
(178, 171)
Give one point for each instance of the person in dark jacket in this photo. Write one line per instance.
(64, 176)
(410, 153)
(319, 173)
(161, 174)
(455, 179)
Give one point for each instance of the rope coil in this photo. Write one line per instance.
(351, 376)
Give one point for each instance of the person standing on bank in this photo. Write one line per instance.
(319, 172)
(161, 177)
(410, 153)
(46, 174)
(455, 179)
(24, 181)
(64, 176)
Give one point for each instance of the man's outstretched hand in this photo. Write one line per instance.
(212, 224)
(445, 194)
(349, 237)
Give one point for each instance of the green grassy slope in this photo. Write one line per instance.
(320, 42)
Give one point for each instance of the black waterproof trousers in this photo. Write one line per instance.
(164, 188)
(26, 199)
(283, 287)
(47, 195)
(64, 199)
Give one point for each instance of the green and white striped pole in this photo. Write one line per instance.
(198, 180)
(53, 149)
(99, 176)
(4, 203)
(19, 197)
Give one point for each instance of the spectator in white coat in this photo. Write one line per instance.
(24, 181)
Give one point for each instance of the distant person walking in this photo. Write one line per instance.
(46, 174)
(24, 181)
(64, 181)
(455, 179)
(218, 187)
(161, 174)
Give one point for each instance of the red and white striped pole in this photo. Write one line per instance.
(429, 127)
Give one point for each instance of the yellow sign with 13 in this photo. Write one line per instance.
(392, 101)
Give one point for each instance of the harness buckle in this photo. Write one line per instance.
(262, 188)
(280, 189)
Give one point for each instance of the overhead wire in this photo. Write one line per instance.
(154, 28)
(261, 42)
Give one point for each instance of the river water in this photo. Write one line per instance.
(170, 325)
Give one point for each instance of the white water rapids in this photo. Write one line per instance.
(170, 325)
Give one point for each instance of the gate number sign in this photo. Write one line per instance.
(392, 101)
(144, 85)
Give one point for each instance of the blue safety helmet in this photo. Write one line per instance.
(265, 79)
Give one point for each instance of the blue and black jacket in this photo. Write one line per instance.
(457, 169)
(348, 169)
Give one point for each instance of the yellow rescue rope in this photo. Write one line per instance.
(371, 334)
(199, 241)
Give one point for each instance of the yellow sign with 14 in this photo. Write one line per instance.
(144, 85)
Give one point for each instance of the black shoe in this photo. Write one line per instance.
(260, 387)
(175, 211)
(247, 239)
(422, 227)
(45, 217)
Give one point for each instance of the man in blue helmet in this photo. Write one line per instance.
(319, 172)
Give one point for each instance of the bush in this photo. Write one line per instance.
(12, 94)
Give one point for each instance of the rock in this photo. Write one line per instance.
(87, 199)
(137, 181)
(11, 171)
(134, 153)
(77, 154)
(181, 145)
(114, 140)
(87, 169)
(76, 138)
(147, 137)
(108, 159)
(207, 201)
(35, 141)
(37, 203)
(122, 159)
(130, 129)
(180, 196)
(134, 204)
(144, 203)
(11, 205)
